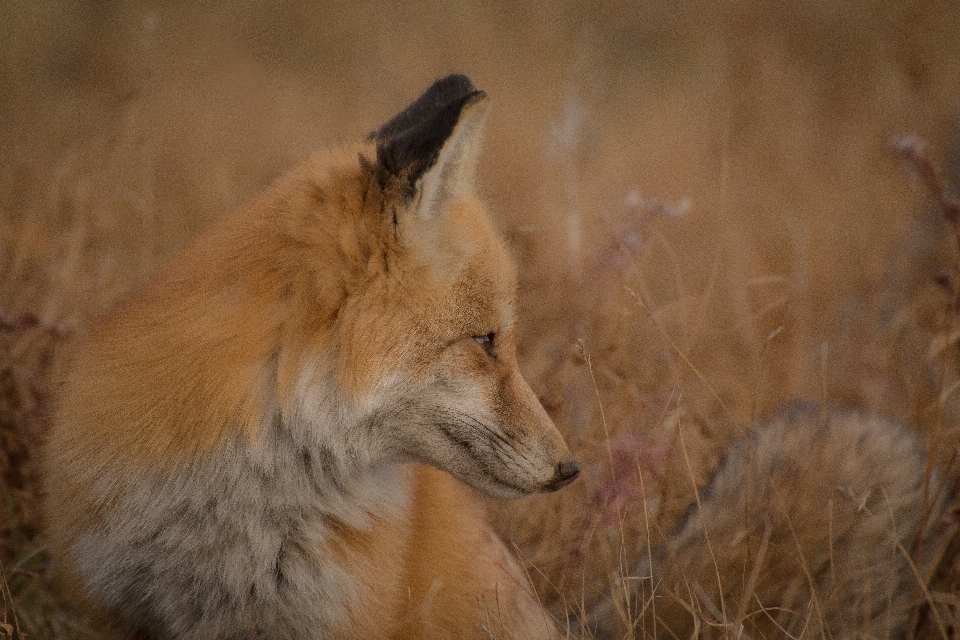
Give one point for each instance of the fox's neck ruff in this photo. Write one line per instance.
(276, 514)
(336, 478)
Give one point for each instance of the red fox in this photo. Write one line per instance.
(237, 448)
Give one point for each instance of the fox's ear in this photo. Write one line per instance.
(430, 148)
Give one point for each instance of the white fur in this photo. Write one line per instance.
(197, 554)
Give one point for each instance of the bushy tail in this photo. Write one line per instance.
(814, 527)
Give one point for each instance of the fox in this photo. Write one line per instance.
(814, 526)
(286, 430)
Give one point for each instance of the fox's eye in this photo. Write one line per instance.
(487, 343)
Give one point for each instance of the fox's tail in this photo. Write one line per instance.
(821, 525)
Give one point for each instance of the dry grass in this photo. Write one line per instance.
(805, 266)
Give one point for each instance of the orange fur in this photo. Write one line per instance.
(232, 452)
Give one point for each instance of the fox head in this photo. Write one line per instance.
(421, 348)
(363, 305)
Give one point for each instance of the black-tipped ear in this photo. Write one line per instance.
(410, 143)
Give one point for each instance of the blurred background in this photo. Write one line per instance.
(702, 196)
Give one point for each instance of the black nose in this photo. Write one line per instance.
(567, 472)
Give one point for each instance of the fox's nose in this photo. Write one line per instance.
(567, 472)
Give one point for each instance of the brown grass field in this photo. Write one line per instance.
(709, 217)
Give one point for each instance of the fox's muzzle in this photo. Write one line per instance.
(566, 473)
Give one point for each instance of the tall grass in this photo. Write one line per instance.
(702, 197)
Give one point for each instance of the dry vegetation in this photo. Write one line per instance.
(703, 197)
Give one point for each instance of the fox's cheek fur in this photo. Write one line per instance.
(474, 416)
